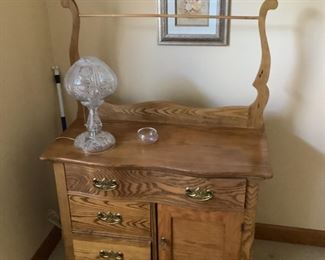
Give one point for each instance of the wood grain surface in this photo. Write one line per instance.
(88, 248)
(74, 43)
(62, 190)
(293, 235)
(167, 112)
(157, 187)
(256, 110)
(49, 245)
(135, 217)
(156, 15)
(154, 232)
(198, 235)
(249, 221)
(201, 151)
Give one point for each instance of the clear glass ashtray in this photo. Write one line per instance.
(148, 135)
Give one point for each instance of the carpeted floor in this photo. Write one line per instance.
(263, 250)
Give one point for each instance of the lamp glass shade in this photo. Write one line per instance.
(90, 81)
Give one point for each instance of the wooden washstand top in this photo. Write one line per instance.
(193, 150)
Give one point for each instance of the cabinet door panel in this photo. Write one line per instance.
(198, 235)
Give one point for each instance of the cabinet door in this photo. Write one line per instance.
(195, 234)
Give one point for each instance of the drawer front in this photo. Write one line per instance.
(93, 215)
(155, 186)
(94, 249)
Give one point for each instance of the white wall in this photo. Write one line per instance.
(28, 119)
(210, 76)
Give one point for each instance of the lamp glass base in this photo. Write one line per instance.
(94, 144)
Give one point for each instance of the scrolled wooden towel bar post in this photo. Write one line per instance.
(74, 44)
(256, 110)
(242, 117)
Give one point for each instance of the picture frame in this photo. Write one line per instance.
(189, 31)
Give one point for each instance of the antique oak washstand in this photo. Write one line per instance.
(191, 196)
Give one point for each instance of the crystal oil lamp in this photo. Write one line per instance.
(90, 81)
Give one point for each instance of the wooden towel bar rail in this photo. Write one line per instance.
(171, 16)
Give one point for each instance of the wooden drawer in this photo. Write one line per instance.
(155, 186)
(126, 218)
(89, 249)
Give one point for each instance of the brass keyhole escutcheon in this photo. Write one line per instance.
(163, 241)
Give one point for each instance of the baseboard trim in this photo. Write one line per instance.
(291, 235)
(48, 245)
(277, 233)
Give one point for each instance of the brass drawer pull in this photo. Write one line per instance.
(199, 194)
(105, 184)
(111, 255)
(110, 218)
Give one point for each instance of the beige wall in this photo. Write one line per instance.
(210, 76)
(28, 123)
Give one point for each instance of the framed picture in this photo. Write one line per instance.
(189, 31)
